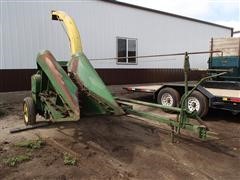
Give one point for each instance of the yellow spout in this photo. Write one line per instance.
(72, 30)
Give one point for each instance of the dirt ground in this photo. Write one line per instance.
(119, 148)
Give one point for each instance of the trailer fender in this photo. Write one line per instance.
(177, 88)
(180, 89)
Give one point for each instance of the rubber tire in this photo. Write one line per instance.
(175, 95)
(28, 101)
(203, 110)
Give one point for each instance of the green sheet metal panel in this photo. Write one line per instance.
(87, 77)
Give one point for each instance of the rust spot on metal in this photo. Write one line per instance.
(73, 65)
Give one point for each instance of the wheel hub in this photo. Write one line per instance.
(25, 112)
(167, 99)
(193, 104)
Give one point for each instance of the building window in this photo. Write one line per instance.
(126, 47)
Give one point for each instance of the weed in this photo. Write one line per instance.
(32, 144)
(69, 160)
(13, 161)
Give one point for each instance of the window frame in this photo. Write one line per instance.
(126, 63)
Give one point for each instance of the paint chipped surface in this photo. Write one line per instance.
(59, 79)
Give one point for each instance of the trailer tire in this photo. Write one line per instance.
(197, 101)
(168, 97)
(29, 112)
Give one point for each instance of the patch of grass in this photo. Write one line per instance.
(69, 160)
(32, 144)
(13, 161)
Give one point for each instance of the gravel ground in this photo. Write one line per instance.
(117, 147)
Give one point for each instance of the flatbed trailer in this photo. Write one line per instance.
(223, 95)
(220, 91)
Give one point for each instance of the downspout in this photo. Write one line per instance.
(71, 30)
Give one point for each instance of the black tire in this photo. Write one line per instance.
(168, 97)
(199, 101)
(29, 113)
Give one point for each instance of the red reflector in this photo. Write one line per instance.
(235, 100)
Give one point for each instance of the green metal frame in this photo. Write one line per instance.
(183, 117)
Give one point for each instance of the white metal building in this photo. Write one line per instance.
(107, 28)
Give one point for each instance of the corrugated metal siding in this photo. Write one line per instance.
(138, 76)
(20, 79)
(1, 34)
(27, 29)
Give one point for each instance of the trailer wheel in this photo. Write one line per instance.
(29, 113)
(168, 97)
(198, 102)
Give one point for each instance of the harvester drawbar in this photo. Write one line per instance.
(67, 91)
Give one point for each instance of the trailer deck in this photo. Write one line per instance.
(151, 88)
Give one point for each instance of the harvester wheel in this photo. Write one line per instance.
(168, 97)
(29, 113)
(198, 102)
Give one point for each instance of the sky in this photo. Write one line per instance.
(224, 12)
